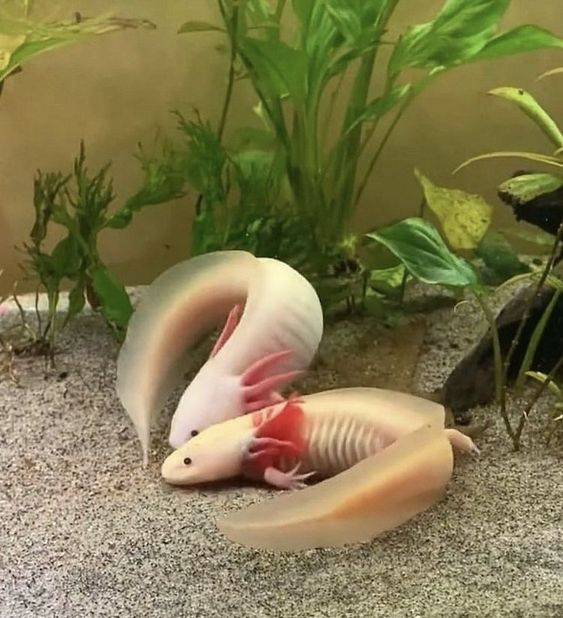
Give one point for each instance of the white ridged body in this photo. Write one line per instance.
(345, 426)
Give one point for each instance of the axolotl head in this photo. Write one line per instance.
(212, 397)
(212, 455)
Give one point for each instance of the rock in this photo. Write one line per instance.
(471, 382)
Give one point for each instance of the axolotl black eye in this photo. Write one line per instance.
(187, 461)
(194, 433)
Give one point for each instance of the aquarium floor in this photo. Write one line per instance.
(86, 531)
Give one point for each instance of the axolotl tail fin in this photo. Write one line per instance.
(181, 306)
(374, 496)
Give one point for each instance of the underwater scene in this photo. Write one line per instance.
(281, 308)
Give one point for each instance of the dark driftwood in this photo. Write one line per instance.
(471, 382)
(545, 210)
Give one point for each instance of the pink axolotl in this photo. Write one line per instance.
(272, 332)
(387, 454)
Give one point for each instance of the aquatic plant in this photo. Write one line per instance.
(80, 203)
(465, 219)
(298, 75)
(423, 252)
(23, 38)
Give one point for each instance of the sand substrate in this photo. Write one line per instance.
(86, 531)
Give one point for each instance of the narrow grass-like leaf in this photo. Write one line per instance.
(529, 156)
(528, 104)
(535, 340)
(199, 26)
(551, 72)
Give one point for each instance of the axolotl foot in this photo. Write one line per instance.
(286, 480)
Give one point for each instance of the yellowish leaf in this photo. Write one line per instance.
(8, 45)
(464, 217)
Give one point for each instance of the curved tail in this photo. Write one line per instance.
(376, 495)
(183, 304)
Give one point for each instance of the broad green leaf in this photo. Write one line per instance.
(387, 280)
(199, 26)
(458, 32)
(347, 16)
(115, 304)
(40, 38)
(522, 39)
(419, 246)
(498, 255)
(66, 258)
(464, 217)
(280, 70)
(303, 10)
(380, 106)
(529, 156)
(551, 72)
(528, 104)
(527, 187)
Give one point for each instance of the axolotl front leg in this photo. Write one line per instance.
(216, 394)
(259, 387)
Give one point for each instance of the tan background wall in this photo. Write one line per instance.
(117, 89)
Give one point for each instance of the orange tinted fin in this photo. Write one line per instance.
(376, 495)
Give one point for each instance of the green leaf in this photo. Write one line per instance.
(419, 246)
(387, 280)
(42, 37)
(527, 187)
(380, 106)
(535, 340)
(528, 104)
(542, 377)
(66, 258)
(522, 39)
(465, 217)
(115, 303)
(458, 32)
(199, 26)
(529, 156)
(536, 237)
(279, 69)
(303, 10)
(499, 256)
(164, 180)
(76, 299)
(551, 72)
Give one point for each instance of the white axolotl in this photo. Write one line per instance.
(272, 332)
(387, 453)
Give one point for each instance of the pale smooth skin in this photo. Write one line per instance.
(362, 438)
(275, 338)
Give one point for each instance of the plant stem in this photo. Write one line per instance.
(497, 352)
(232, 29)
(528, 308)
(525, 414)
